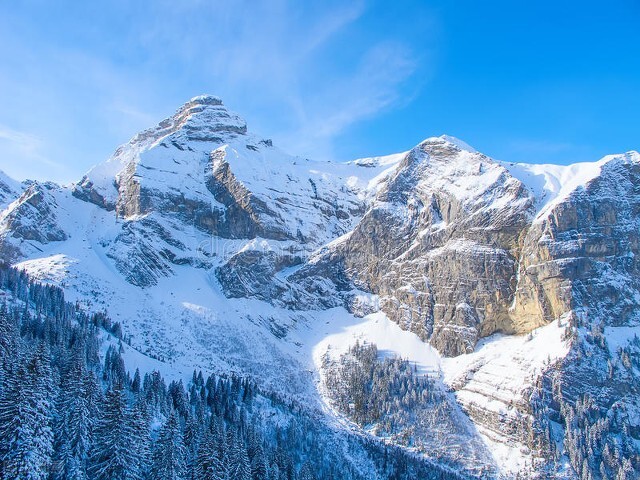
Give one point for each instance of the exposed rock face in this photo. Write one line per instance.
(142, 252)
(244, 215)
(201, 168)
(592, 243)
(439, 245)
(581, 252)
(451, 242)
(453, 247)
(578, 261)
(32, 218)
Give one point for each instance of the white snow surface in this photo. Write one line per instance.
(495, 376)
(551, 184)
(186, 323)
(458, 143)
(10, 190)
(341, 332)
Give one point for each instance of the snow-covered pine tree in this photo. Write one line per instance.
(259, 466)
(239, 465)
(178, 397)
(115, 454)
(140, 434)
(192, 438)
(136, 382)
(76, 419)
(170, 455)
(221, 442)
(209, 464)
(8, 342)
(26, 437)
(306, 472)
(8, 334)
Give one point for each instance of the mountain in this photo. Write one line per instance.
(512, 289)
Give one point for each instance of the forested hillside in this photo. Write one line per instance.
(70, 409)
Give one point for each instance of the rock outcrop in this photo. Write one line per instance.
(440, 243)
(31, 218)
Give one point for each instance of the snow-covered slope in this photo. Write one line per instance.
(10, 190)
(554, 183)
(216, 250)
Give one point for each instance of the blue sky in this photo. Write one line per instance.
(524, 81)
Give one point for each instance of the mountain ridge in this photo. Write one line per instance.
(217, 250)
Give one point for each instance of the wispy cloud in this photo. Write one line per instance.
(373, 86)
(290, 59)
(23, 153)
(302, 72)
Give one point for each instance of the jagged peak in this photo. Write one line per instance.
(202, 124)
(448, 140)
(205, 99)
(627, 158)
(436, 152)
(447, 150)
(203, 118)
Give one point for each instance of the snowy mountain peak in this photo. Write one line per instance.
(202, 119)
(168, 154)
(447, 140)
(628, 158)
(205, 99)
(458, 143)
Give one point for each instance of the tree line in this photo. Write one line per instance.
(70, 409)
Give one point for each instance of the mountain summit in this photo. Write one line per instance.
(513, 289)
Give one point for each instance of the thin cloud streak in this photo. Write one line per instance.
(373, 87)
(20, 146)
(275, 56)
(291, 68)
(274, 53)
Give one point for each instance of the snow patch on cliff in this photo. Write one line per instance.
(494, 377)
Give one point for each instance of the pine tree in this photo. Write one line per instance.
(257, 457)
(209, 464)
(259, 468)
(26, 437)
(222, 448)
(275, 472)
(626, 471)
(135, 384)
(114, 455)
(139, 418)
(8, 333)
(76, 418)
(239, 466)
(8, 341)
(306, 472)
(169, 456)
(193, 436)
